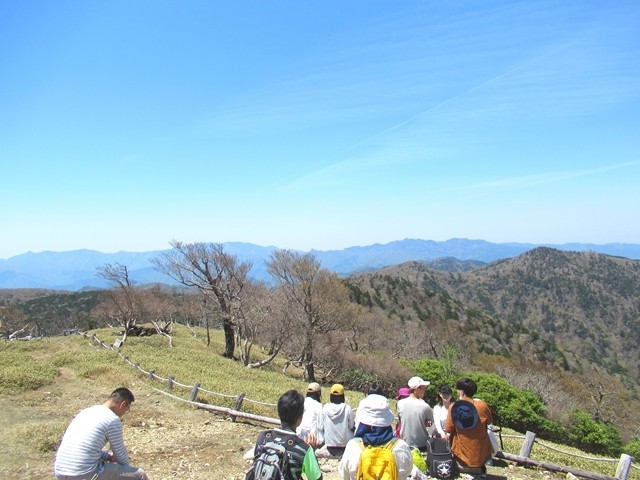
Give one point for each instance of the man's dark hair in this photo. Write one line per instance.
(290, 407)
(375, 389)
(333, 398)
(122, 394)
(315, 395)
(468, 386)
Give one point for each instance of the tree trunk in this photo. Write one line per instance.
(229, 339)
(310, 371)
(307, 358)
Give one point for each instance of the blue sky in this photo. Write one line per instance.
(317, 124)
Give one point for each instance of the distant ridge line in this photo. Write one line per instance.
(76, 269)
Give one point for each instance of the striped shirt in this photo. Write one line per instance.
(80, 451)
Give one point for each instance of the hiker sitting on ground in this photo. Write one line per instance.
(300, 456)
(80, 455)
(337, 423)
(467, 426)
(375, 430)
(310, 429)
(416, 415)
(373, 393)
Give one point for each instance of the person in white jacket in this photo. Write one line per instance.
(374, 428)
(310, 429)
(337, 422)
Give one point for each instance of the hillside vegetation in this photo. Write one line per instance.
(44, 383)
(564, 325)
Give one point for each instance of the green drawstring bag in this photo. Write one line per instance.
(418, 460)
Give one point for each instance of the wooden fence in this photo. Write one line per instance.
(625, 462)
(194, 390)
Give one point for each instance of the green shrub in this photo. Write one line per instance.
(593, 436)
(633, 448)
(520, 410)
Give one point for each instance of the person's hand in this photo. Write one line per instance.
(311, 439)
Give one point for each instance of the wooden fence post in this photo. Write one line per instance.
(170, 383)
(238, 405)
(624, 465)
(527, 446)
(194, 393)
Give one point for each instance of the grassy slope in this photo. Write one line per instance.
(43, 385)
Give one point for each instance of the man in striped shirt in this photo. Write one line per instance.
(80, 455)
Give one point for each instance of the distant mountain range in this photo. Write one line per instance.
(76, 270)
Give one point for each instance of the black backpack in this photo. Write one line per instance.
(440, 462)
(270, 462)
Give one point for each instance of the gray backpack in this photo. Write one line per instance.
(270, 463)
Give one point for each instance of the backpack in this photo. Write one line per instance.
(270, 463)
(377, 463)
(440, 461)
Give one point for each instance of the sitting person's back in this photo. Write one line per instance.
(337, 421)
(375, 429)
(301, 458)
(467, 426)
(312, 418)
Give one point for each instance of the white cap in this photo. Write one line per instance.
(415, 382)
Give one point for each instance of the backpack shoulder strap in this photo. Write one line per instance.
(390, 445)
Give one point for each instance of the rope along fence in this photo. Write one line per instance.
(197, 392)
(625, 463)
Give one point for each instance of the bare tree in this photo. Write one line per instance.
(128, 308)
(13, 322)
(216, 273)
(317, 297)
(264, 319)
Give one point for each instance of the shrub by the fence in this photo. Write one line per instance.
(593, 436)
(633, 448)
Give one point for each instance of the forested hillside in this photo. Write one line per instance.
(568, 309)
(566, 325)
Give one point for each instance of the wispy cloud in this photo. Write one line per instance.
(443, 74)
(546, 178)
